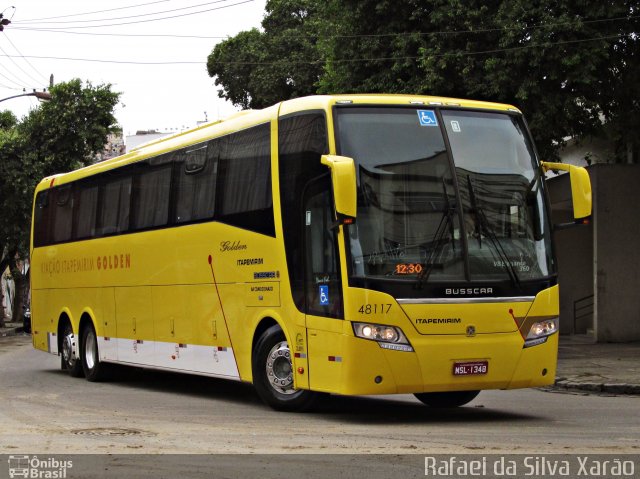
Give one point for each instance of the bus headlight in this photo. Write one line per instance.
(540, 331)
(388, 337)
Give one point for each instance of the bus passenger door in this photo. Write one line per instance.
(323, 286)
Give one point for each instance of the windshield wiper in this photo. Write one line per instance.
(445, 220)
(483, 223)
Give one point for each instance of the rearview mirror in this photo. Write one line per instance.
(343, 180)
(580, 187)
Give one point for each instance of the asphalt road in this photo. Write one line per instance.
(42, 410)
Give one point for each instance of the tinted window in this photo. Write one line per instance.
(86, 211)
(41, 218)
(196, 182)
(63, 215)
(114, 214)
(302, 141)
(151, 201)
(244, 180)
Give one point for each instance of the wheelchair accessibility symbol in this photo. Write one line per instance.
(427, 118)
(324, 295)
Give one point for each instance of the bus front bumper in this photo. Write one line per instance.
(492, 361)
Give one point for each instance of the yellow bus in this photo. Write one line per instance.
(355, 244)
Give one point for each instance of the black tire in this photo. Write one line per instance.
(272, 364)
(447, 399)
(68, 344)
(94, 370)
(26, 322)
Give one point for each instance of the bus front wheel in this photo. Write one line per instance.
(273, 373)
(447, 399)
(93, 369)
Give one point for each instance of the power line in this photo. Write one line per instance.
(152, 35)
(151, 19)
(364, 35)
(11, 81)
(9, 87)
(346, 60)
(16, 79)
(97, 11)
(27, 61)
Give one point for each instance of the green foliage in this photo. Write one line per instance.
(571, 67)
(549, 58)
(7, 120)
(60, 135)
(258, 69)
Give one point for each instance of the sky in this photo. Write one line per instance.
(142, 49)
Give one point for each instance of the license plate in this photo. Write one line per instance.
(473, 368)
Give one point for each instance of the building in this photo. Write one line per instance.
(598, 263)
(144, 136)
(114, 147)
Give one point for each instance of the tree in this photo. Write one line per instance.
(258, 69)
(550, 58)
(56, 137)
(571, 67)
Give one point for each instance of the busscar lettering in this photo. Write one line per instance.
(467, 291)
(438, 320)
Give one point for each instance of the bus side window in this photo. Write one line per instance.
(63, 214)
(244, 197)
(196, 182)
(114, 213)
(86, 211)
(151, 198)
(41, 219)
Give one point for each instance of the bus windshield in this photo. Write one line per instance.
(444, 195)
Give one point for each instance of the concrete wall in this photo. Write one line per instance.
(617, 260)
(602, 259)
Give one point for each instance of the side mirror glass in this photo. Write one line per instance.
(580, 187)
(343, 180)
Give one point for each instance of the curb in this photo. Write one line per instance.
(610, 388)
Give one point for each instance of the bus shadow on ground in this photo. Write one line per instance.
(386, 410)
(354, 409)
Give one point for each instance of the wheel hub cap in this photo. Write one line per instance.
(68, 348)
(279, 368)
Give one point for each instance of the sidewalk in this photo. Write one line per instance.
(610, 368)
(10, 329)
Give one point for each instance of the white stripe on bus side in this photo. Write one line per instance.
(207, 360)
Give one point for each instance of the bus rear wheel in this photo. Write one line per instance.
(69, 350)
(273, 374)
(93, 369)
(447, 399)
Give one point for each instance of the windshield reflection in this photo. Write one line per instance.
(410, 203)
